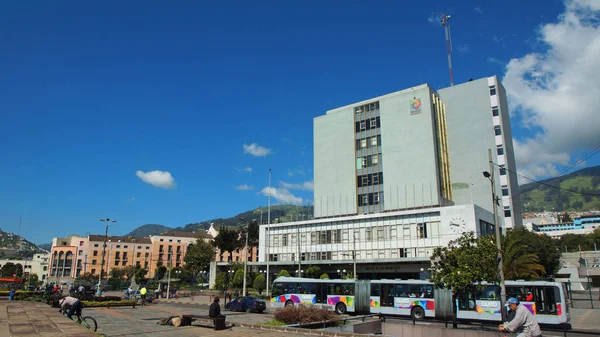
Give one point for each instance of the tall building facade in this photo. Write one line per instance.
(383, 154)
(478, 120)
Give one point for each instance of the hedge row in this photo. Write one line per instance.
(94, 304)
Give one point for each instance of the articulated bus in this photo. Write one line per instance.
(420, 298)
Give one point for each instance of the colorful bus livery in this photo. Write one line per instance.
(420, 299)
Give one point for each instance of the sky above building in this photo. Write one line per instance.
(173, 112)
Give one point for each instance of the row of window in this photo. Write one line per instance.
(367, 161)
(96, 245)
(364, 143)
(369, 199)
(368, 124)
(393, 253)
(366, 108)
(370, 179)
(544, 297)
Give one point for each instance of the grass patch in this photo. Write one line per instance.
(104, 304)
(274, 322)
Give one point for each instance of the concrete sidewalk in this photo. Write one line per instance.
(20, 319)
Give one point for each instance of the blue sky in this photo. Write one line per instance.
(95, 97)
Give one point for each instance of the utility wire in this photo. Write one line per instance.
(581, 160)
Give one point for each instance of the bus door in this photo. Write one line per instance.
(387, 295)
(546, 304)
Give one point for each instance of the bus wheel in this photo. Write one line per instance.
(418, 313)
(289, 304)
(340, 308)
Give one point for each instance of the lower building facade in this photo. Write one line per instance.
(395, 244)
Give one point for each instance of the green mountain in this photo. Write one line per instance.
(577, 191)
(15, 246)
(279, 213)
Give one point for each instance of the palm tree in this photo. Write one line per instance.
(227, 240)
(518, 261)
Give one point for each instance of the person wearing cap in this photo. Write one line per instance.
(523, 322)
(74, 304)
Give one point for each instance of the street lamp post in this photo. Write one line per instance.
(107, 221)
(246, 258)
(490, 176)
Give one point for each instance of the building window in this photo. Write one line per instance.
(380, 234)
(376, 178)
(363, 125)
(139, 247)
(358, 163)
(507, 213)
(96, 245)
(375, 141)
(363, 143)
(93, 262)
(500, 151)
(368, 234)
(80, 243)
(422, 230)
(365, 180)
(375, 198)
(505, 192)
(373, 123)
(284, 240)
(93, 271)
(375, 160)
(161, 240)
(495, 111)
(502, 171)
(492, 90)
(80, 252)
(95, 253)
(365, 199)
(116, 262)
(118, 246)
(497, 130)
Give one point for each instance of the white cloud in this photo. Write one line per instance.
(161, 179)
(296, 171)
(463, 48)
(244, 187)
(282, 195)
(256, 150)
(478, 10)
(245, 169)
(305, 186)
(555, 92)
(496, 61)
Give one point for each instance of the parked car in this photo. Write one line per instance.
(137, 296)
(246, 303)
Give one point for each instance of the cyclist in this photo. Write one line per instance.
(523, 321)
(74, 304)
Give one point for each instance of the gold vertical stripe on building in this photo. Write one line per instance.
(442, 145)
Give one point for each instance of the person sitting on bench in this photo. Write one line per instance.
(214, 311)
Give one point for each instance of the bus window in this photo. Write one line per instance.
(489, 293)
(528, 294)
(545, 300)
(466, 301)
(429, 291)
(277, 289)
(387, 295)
(402, 290)
(375, 289)
(307, 288)
(514, 291)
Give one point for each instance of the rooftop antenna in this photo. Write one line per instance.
(446, 25)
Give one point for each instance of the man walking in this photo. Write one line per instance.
(523, 321)
(143, 292)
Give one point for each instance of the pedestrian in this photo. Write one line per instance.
(143, 292)
(74, 304)
(81, 289)
(523, 322)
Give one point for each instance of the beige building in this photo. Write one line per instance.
(38, 265)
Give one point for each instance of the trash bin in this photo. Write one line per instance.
(11, 295)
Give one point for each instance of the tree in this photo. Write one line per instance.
(464, 264)
(238, 279)
(543, 246)
(8, 269)
(198, 257)
(260, 283)
(253, 230)
(19, 270)
(88, 277)
(129, 271)
(324, 276)
(283, 272)
(313, 272)
(140, 275)
(518, 261)
(117, 273)
(160, 272)
(227, 240)
(33, 279)
(220, 281)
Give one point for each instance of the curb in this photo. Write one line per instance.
(301, 330)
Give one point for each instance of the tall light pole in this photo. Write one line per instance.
(107, 221)
(268, 236)
(246, 252)
(490, 176)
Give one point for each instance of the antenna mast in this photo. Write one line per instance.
(446, 25)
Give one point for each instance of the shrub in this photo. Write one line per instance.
(106, 299)
(304, 314)
(96, 304)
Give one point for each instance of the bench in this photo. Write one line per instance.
(218, 322)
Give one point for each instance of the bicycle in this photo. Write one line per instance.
(87, 321)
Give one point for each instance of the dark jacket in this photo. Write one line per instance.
(214, 310)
